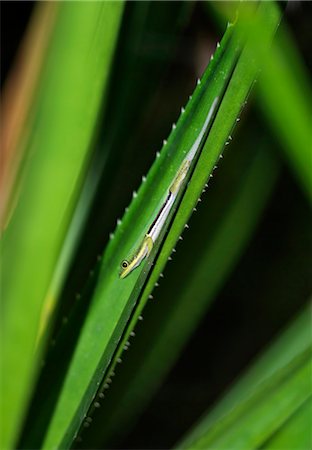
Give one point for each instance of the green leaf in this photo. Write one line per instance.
(234, 99)
(115, 298)
(62, 125)
(296, 432)
(286, 99)
(126, 94)
(284, 90)
(142, 21)
(199, 270)
(271, 391)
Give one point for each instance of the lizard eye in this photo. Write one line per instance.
(124, 264)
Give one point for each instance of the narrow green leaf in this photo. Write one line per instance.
(284, 91)
(62, 125)
(126, 94)
(286, 100)
(264, 398)
(234, 98)
(251, 422)
(114, 298)
(201, 269)
(143, 22)
(295, 433)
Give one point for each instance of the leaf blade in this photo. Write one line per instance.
(280, 376)
(56, 148)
